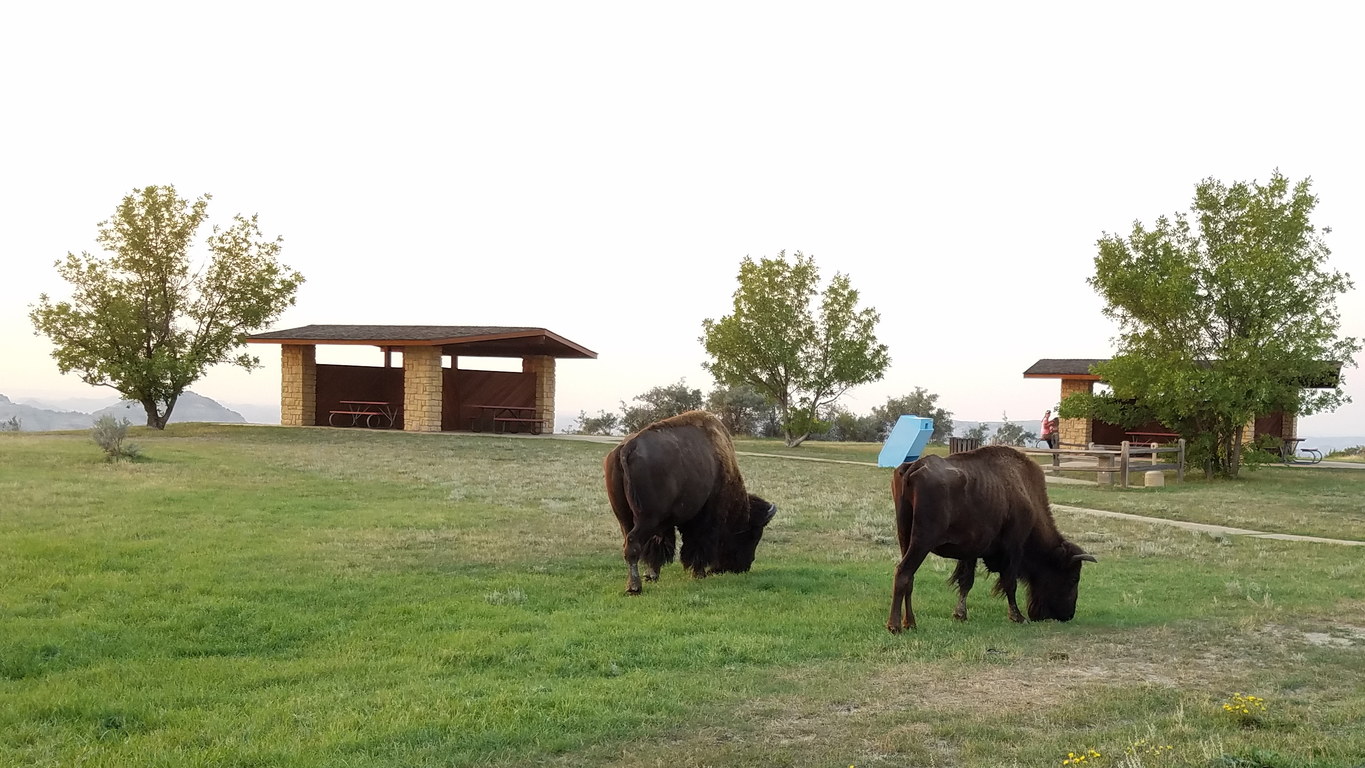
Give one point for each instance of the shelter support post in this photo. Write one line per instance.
(298, 385)
(422, 389)
(543, 368)
(1075, 431)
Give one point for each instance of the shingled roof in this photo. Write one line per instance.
(467, 340)
(1079, 368)
(1070, 368)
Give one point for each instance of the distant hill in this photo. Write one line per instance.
(34, 419)
(257, 414)
(190, 407)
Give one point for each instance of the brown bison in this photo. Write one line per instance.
(681, 473)
(991, 504)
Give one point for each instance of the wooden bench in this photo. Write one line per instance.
(372, 413)
(498, 418)
(537, 425)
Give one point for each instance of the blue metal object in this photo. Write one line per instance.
(906, 441)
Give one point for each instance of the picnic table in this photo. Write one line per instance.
(368, 413)
(1166, 437)
(1289, 452)
(506, 418)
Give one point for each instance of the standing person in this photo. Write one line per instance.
(1049, 429)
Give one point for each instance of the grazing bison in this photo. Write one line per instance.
(681, 473)
(991, 504)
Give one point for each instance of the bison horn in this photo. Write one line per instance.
(769, 513)
(1084, 557)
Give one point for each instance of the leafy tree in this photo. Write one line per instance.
(741, 409)
(800, 361)
(12, 425)
(846, 426)
(660, 403)
(1009, 433)
(142, 321)
(1224, 314)
(981, 433)
(921, 403)
(604, 423)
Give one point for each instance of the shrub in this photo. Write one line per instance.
(602, 424)
(659, 403)
(109, 434)
(13, 425)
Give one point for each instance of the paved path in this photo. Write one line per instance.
(1206, 528)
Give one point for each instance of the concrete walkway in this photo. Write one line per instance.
(1206, 528)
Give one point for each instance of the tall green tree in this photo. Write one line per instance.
(659, 403)
(146, 321)
(922, 403)
(743, 410)
(1224, 314)
(800, 360)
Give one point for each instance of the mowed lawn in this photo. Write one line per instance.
(258, 596)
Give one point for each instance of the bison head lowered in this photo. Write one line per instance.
(1054, 581)
(736, 552)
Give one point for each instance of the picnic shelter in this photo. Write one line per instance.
(1076, 376)
(427, 391)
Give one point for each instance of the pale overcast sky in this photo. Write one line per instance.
(600, 169)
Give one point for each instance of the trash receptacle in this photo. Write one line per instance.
(906, 441)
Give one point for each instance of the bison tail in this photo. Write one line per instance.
(660, 549)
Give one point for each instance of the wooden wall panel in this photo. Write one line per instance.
(357, 382)
(461, 389)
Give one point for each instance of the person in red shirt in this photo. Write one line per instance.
(1049, 429)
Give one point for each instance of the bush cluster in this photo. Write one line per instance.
(109, 434)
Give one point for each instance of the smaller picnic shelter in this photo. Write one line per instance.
(424, 394)
(1076, 376)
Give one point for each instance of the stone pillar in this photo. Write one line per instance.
(422, 389)
(543, 366)
(1290, 427)
(298, 385)
(1074, 431)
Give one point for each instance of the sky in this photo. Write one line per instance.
(601, 169)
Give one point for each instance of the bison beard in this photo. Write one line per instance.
(989, 505)
(680, 475)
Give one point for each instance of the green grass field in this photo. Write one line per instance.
(257, 596)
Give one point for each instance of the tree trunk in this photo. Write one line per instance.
(156, 419)
(793, 442)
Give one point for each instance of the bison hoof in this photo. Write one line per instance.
(960, 615)
(654, 576)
